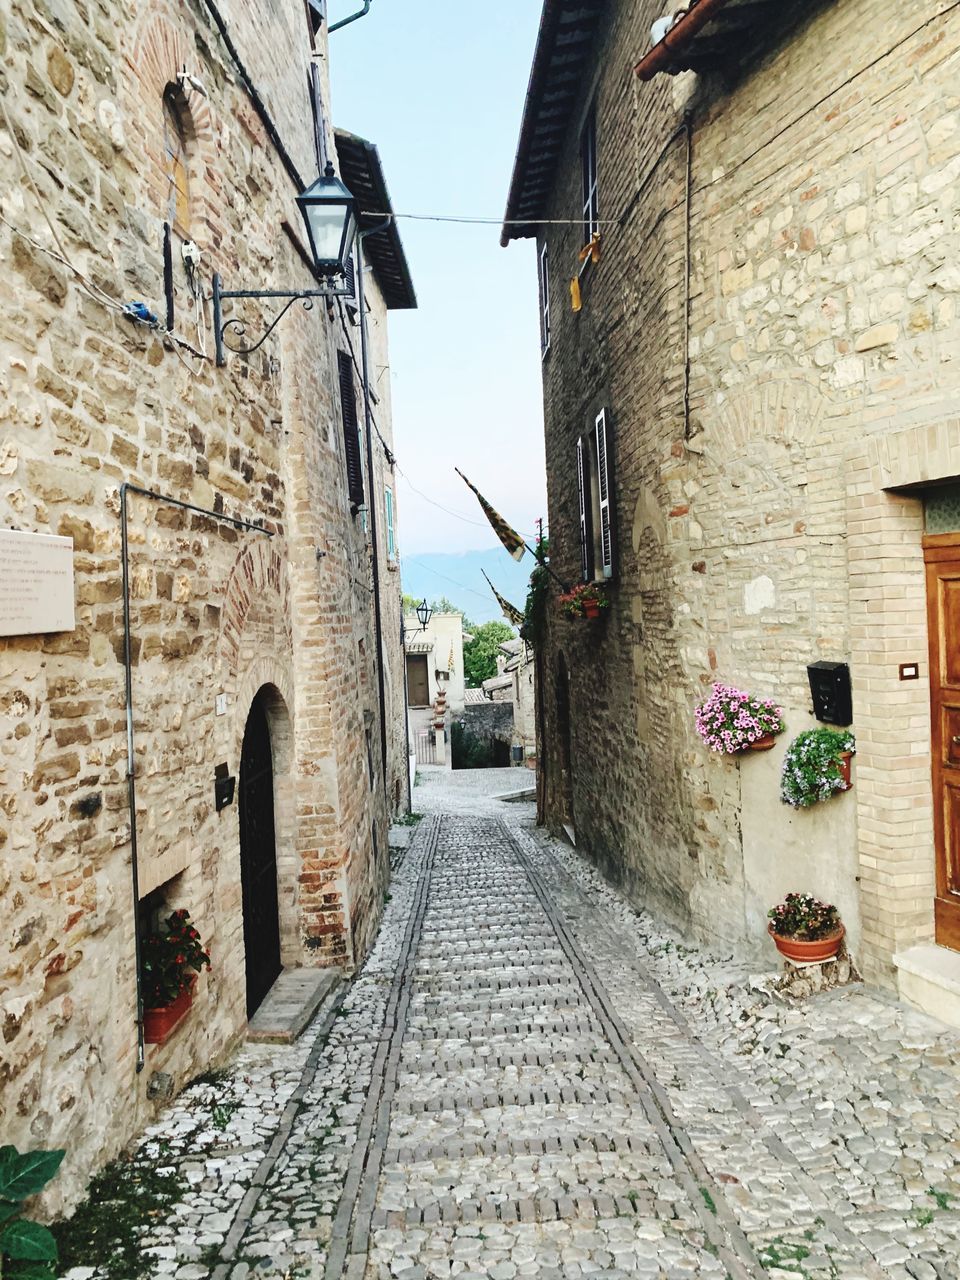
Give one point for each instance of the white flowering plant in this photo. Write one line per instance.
(730, 719)
(812, 767)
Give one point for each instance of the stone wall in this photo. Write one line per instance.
(89, 401)
(822, 316)
(489, 721)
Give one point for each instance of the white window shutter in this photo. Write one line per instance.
(544, 298)
(584, 526)
(604, 469)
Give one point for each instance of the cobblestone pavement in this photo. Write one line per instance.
(529, 1078)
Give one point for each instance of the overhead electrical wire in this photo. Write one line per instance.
(483, 595)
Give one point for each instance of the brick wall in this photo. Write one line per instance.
(88, 401)
(821, 315)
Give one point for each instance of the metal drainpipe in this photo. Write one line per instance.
(688, 126)
(372, 504)
(406, 711)
(126, 488)
(344, 22)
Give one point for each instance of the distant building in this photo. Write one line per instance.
(515, 682)
(434, 657)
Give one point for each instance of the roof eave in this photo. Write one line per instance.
(553, 11)
(384, 248)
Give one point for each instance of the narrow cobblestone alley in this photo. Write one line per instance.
(528, 1078)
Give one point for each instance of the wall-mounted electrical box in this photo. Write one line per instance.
(224, 786)
(830, 686)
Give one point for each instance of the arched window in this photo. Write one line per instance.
(175, 162)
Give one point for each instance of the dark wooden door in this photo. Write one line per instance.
(942, 554)
(418, 680)
(258, 860)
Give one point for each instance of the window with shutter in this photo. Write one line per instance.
(350, 284)
(605, 539)
(585, 556)
(544, 299)
(316, 15)
(391, 536)
(595, 494)
(351, 430)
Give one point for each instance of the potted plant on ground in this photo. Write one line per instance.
(816, 766)
(731, 721)
(170, 960)
(805, 929)
(585, 600)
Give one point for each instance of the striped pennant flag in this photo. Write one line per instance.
(509, 537)
(509, 611)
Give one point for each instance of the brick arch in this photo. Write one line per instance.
(648, 514)
(783, 410)
(159, 51)
(258, 576)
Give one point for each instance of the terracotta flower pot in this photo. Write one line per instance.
(159, 1024)
(591, 609)
(845, 767)
(808, 952)
(762, 744)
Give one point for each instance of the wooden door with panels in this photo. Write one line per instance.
(942, 557)
(418, 680)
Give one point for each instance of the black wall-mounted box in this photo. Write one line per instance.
(224, 786)
(830, 686)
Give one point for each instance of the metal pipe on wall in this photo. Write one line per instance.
(345, 22)
(372, 504)
(126, 489)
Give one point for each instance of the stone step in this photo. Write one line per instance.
(290, 1004)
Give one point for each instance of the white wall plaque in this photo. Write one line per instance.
(36, 583)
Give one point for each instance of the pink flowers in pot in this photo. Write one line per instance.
(730, 720)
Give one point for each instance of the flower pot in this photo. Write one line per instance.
(159, 1024)
(803, 952)
(845, 758)
(591, 609)
(762, 744)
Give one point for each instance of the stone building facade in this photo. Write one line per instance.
(434, 656)
(766, 340)
(252, 631)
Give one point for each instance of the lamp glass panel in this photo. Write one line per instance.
(326, 223)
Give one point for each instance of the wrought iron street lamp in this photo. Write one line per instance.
(424, 614)
(329, 214)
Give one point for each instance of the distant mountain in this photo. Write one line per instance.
(458, 577)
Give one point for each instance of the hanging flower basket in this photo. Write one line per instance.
(584, 601)
(816, 767)
(731, 720)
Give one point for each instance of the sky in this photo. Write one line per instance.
(439, 85)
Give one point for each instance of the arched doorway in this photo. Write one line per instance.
(564, 745)
(258, 858)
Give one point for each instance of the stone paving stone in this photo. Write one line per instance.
(510, 1135)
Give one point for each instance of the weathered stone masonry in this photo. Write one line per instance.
(781, 524)
(89, 400)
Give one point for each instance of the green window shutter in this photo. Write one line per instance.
(391, 537)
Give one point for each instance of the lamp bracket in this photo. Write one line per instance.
(220, 326)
